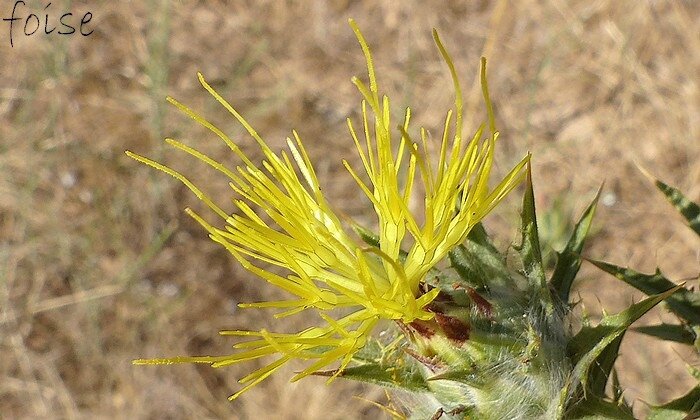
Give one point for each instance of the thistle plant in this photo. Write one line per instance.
(473, 332)
(684, 304)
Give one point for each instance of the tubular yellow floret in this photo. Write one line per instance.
(326, 268)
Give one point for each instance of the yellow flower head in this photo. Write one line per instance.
(329, 269)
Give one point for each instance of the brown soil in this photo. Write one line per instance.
(99, 265)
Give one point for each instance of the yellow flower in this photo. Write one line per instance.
(328, 269)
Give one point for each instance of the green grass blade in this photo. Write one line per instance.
(569, 260)
(684, 303)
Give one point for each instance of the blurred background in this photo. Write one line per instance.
(99, 265)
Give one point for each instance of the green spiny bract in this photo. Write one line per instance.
(501, 344)
(685, 304)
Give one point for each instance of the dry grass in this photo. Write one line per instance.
(99, 265)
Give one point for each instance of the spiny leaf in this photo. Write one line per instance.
(371, 352)
(478, 262)
(529, 248)
(689, 209)
(669, 332)
(369, 237)
(465, 376)
(601, 368)
(407, 377)
(618, 392)
(685, 407)
(587, 346)
(479, 236)
(569, 260)
(684, 303)
(595, 408)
